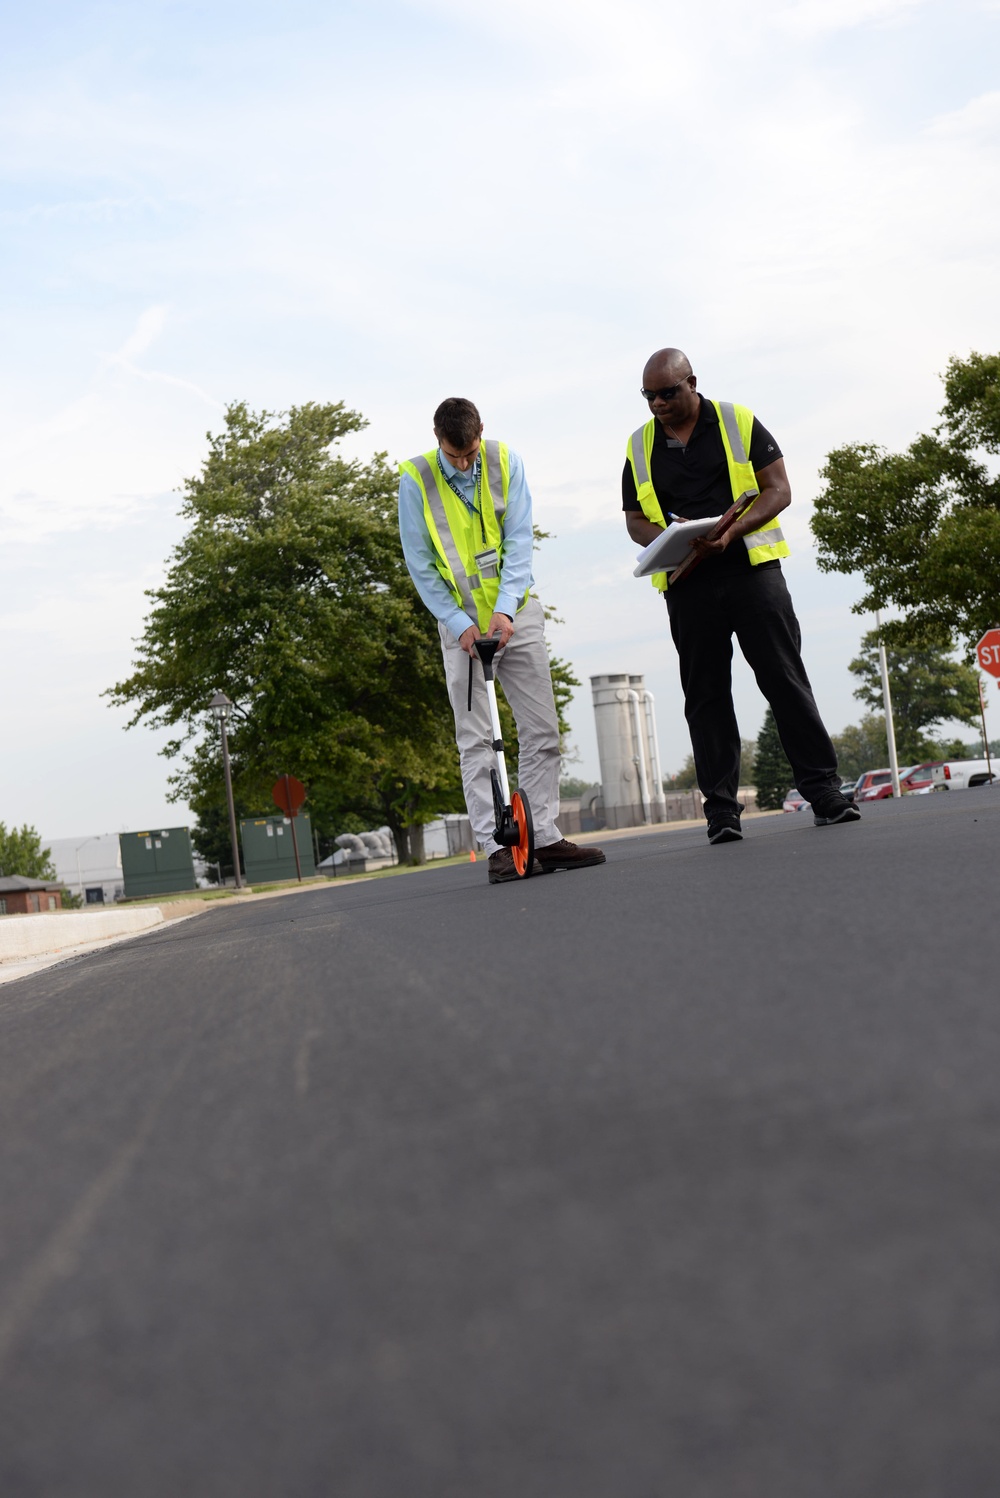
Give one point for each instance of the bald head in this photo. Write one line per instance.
(668, 383)
(666, 367)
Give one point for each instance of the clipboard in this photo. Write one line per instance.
(718, 528)
(672, 546)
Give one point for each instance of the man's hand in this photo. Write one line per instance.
(703, 547)
(503, 627)
(500, 626)
(468, 637)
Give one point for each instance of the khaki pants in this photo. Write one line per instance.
(523, 669)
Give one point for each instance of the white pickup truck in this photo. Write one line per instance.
(963, 774)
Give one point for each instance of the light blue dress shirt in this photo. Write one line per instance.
(421, 558)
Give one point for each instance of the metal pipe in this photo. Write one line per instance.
(890, 727)
(638, 758)
(986, 742)
(649, 703)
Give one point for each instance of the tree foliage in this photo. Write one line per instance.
(572, 786)
(928, 687)
(773, 772)
(923, 526)
(289, 592)
(862, 746)
(21, 852)
(684, 779)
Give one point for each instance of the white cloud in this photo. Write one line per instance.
(978, 120)
(810, 18)
(147, 330)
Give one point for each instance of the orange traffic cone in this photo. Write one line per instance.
(472, 856)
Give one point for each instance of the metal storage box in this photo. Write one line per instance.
(158, 862)
(268, 855)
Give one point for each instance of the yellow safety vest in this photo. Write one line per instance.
(735, 424)
(462, 538)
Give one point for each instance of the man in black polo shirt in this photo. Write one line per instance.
(690, 462)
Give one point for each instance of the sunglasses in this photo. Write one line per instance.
(667, 393)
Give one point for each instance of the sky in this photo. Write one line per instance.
(390, 202)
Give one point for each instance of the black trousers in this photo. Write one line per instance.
(754, 604)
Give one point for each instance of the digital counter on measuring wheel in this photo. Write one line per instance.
(513, 828)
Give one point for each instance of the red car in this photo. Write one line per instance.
(876, 785)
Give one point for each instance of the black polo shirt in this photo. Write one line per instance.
(693, 481)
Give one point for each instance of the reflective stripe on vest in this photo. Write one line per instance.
(736, 425)
(727, 415)
(767, 544)
(463, 582)
(494, 479)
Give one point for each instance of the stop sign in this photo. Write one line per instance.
(988, 652)
(289, 793)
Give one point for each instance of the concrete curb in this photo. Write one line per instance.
(23, 936)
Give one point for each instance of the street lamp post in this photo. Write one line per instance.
(79, 876)
(222, 707)
(890, 727)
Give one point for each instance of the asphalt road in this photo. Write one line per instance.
(673, 1177)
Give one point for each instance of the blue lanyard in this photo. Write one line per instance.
(476, 497)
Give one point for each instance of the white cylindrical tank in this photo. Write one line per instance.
(631, 785)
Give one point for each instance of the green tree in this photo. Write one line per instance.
(685, 779)
(289, 592)
(928, 687)
(862, 746)
(21, 852)
(570, 786)
(748, 761)
(773, 772)
(923, 526)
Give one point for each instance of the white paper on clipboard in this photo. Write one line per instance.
(670, 549)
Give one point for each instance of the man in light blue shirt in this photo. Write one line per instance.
(472, 567)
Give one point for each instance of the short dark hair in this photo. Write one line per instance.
(458, 421)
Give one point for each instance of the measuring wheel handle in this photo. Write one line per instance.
(523, 851)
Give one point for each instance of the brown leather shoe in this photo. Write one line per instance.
(564, 855)
(501, 867)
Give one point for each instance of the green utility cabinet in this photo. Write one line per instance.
(157, 863)
(268, 853)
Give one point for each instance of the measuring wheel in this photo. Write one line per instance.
(523, 850)
(514, 828)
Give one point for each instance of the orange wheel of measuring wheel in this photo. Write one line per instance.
(524, 849)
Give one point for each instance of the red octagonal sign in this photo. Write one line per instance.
(290, 794)
(988, 652)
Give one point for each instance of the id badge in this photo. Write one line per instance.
(487, 562)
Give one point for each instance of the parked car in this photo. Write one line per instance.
(873, 785)
(794, 801)
(962, 774)
(918, 781)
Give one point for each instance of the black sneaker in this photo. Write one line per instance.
(834, 808)
(725, 829)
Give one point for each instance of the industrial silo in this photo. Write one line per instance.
(631, 779)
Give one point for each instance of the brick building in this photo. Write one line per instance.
(20, 896)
